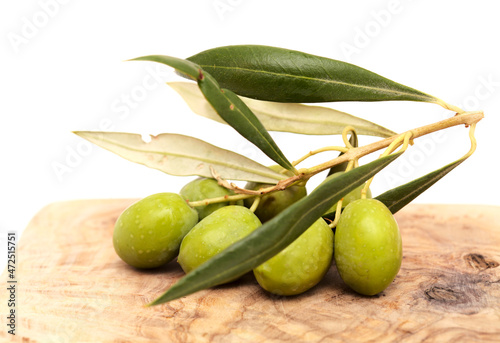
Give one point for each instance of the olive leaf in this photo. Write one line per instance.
(397, 198)
(273, 236)
(234, 111)
(186, 68)
(229, 106)
(277, 74)
(287, 117)
(182, 155)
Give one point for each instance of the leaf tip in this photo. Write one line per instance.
(160, 300)
(151, 304)
(135, 59)
(79, 133)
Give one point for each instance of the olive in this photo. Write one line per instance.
(215, 233)
(204, 188)
(301, 265)
(368, 247)
(355, 194)
(149, 232)
(273, 203)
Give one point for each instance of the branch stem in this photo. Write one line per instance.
(350, 155)
(467, 118)
(227, 198)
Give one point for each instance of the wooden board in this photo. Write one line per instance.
(73, 288)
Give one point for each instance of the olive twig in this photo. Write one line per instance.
(225, 198)
(317, 151)
(467, 118)
(345, 149)
(450, 107)
(473, 141)
(346, 130)
(353, 154)
(281, 185)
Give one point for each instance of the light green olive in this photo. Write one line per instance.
(149, 232)
(301, 265)
(204, 188)
(368, 247)
(355, 194)
(272, 204)
(215, 233)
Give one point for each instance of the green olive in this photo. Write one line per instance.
(149, 232)
(272, 204)
(215, 233)
(349, 197)
(368, 247)
(301, 265)
(203, 188)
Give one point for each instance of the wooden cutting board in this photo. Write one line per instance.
(73, 288)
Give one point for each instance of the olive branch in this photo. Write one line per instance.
(268, 96)
(350, 154)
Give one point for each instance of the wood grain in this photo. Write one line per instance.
(73, 288)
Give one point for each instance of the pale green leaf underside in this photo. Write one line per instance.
(285, 117)
(228, 105)
(182, 155)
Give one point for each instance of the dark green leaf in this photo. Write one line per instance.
(237, 114)
(185, 67)
(273, 236)
(276, 74)
(397, 198)
(229, 106)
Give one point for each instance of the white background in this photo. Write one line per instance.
(63, 68)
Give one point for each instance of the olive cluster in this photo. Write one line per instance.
(366, 245)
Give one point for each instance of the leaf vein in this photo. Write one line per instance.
(387, 90)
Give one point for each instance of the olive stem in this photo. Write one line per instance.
(226, 198)
(450, 107)
(338, 210)
(346, 130)
(255, 204)
(473, 142)
(353, 154)
(317, 151)
(467, 118)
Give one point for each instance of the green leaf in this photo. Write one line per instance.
(188, 68)
(276, 74)
(397, 198)
(237, 114)
(182, 155)
(227, 104)
(285, 117)
(273, 236)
